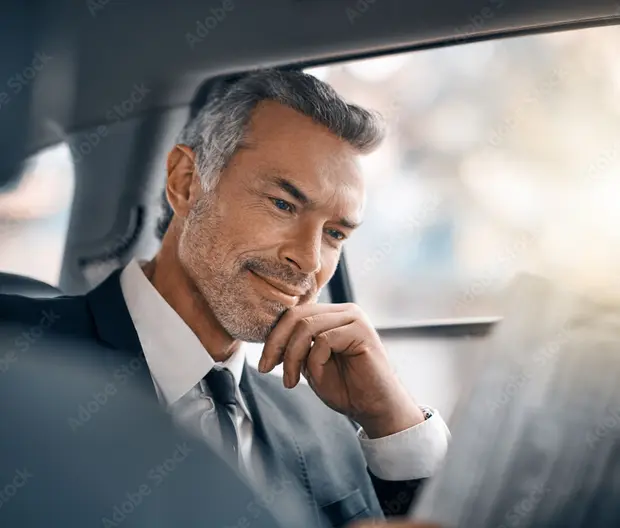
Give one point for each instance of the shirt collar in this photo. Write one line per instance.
(175, 356)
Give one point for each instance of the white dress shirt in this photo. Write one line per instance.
(178, 362)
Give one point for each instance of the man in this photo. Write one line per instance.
(265, 188)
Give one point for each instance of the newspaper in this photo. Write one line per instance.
(535, 435)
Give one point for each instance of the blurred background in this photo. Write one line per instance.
(34, 216)
(500, 157)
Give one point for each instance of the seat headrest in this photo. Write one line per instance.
(18, 284)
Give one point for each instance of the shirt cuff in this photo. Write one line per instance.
(412, 454)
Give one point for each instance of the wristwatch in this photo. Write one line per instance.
(427, 412)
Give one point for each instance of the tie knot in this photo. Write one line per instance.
(221, 383)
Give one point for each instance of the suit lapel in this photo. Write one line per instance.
(272, 427)
(115, 328)
(281, 449)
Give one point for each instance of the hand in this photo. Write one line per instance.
(345, 363)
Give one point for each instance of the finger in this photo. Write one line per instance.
(319, 355)
(276, 342)
(326, 344)
(345, 338)
(300, 341)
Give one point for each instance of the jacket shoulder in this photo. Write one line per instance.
(67, 315)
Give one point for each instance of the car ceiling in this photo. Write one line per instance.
(101, 49)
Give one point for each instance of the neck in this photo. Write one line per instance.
(173, 284)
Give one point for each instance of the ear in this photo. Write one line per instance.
(182, 186)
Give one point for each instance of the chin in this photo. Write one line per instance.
(250, 334)
(256, 325)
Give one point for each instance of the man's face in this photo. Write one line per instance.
(270, 235)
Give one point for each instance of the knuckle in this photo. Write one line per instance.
(294, 311)
(322, 339)
(305, 324)
(289, 315)
(355, 308)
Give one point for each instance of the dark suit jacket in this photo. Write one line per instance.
(317, 445)
(123, 464)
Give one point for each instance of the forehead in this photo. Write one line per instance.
(284, 143)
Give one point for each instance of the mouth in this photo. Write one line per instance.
(282, 292)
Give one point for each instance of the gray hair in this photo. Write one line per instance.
(218, 130)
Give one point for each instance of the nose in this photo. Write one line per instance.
(303, 250)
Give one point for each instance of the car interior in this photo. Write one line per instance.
(503, 119)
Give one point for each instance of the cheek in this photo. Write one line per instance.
(259, 233)
(328, 268)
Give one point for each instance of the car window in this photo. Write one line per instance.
(34, 216)
(500, 157)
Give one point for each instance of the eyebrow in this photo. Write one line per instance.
(290, 188)
(349, 224)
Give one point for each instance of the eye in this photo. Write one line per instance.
(337, 235)
(283, 205)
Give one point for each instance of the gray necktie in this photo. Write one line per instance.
(221, 383)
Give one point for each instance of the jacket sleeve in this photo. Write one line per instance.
(396, 496)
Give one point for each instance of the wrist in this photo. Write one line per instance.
(392, 421)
